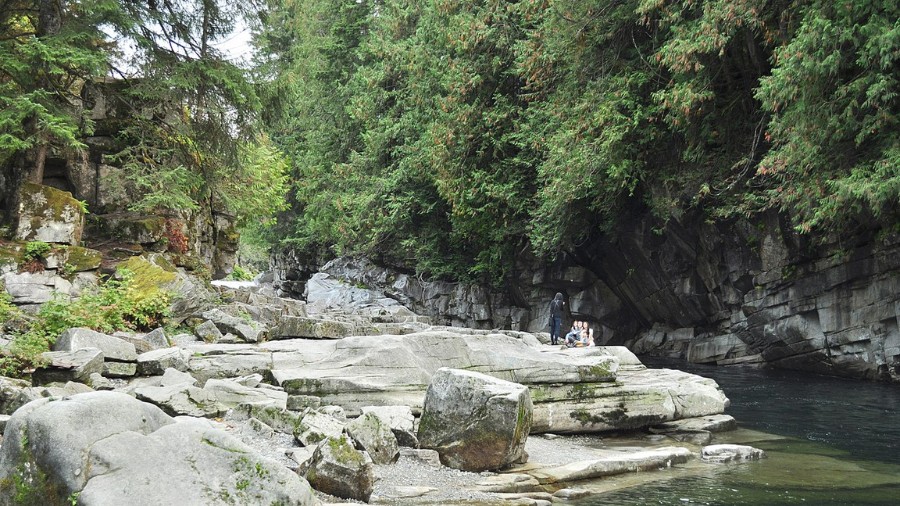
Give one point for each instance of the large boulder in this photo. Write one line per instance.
(246, 329)
(401, 421)
(338, 469)
(63, 366)
(374, 437)
(316, 427)
(475, 422)
(49, 215)
(109, 448)
(156, 362)
(46, 441)
(113, 348)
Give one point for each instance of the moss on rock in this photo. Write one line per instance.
(149, 277)
(82, 259)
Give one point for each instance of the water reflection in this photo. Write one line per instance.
(830, 442)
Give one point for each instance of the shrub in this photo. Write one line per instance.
(35, 250)
(115, 305)
(238, 273)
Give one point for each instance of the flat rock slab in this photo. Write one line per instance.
(113, 348)
(63, 366)
(612, 464)
(723, 453)
(711, 423)
(290, 327)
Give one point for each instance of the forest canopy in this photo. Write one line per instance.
(451, 137)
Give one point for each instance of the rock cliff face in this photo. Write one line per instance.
(203, 239)
(725, 293)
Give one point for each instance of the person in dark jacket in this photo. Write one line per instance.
(557, 305)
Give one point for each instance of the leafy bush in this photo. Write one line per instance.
(115, 305)
(7, 309)
(238, 273)
(35, 250)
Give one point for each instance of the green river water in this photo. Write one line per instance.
(829, 442)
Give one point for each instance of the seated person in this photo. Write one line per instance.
(574, 334)
(587, 334)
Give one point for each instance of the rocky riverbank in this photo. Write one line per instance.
(266, 396)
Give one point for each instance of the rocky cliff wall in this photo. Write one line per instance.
(204, 240)
(726, 293)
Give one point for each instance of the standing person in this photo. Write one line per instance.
(556, 311)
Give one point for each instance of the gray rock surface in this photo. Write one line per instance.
(613, 463)
(156, 339)
(340, 470)
(113, 348)
(182, 399)
(316, 427)
(246, 329)
(573, 389)
(372, 435)
(63, 366)
(108, 448)
(208, 332)
(725, 293)
(475, 422)
(156, 362)
(723, 453)
(49, 215)
(401, 421)
(231, 393)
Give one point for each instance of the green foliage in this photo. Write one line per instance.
(118, 304)
(7, 310)
(238, 273)
(44, 56)
(450, 137)
(35, 250)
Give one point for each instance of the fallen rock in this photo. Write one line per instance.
(720, 454)
(475, 422)
(374, 436)
(156, 362)
(113, 348)
(613, 463)
(208, 332)
(55, 462)
(230, 394)
(246, 329)
(156, 338)
(291, 327)
(49, 215)
(282, 420)
(119, 369)
(401, 421)
(63, 366)
(182, 399)
(429, 457)
(340, 470)
(316, 427)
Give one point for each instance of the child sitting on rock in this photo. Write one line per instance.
(574, 334)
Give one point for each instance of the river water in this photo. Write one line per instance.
(829, 442)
